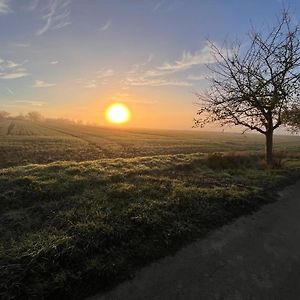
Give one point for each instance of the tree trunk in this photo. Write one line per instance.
(269, 148)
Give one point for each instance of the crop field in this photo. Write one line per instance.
(23, 142)
(83, 207)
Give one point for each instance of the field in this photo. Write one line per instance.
(113, 200)
(23, 142)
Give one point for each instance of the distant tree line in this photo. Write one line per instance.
(35, 116)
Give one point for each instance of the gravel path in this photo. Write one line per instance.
(256, 257)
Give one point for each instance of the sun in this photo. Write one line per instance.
(117, 113)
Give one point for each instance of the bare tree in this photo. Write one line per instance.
(4, 114)
(34, 116)
(20, 116)
(255, 86)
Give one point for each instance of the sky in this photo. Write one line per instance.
(73, 58)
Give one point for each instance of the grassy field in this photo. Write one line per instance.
(23, 142)
(70, 228)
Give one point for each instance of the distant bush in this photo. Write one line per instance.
(278, 159)
(234, 160)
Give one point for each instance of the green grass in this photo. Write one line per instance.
(84, 207)
(23, 142)
(68, 229)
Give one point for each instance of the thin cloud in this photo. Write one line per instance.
(149, 59)
(12, 70)
(11, 64)
(137, 67)
(31, 103)
(156, 76)
(21, 45)
(13, 75)
(155, 82)
(104, 73)
(9, 91)
(90, 84)
(56, 16)
(54, 62)
(5, 7)
(33, 5)
(158, 5)
(42, 84)
(196, 77)
(188, 60)
(105, 26)
(165, 5)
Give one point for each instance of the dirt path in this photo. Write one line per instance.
(256, 257)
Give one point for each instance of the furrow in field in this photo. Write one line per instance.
(3, 127)
(10, 128)
(100, 140)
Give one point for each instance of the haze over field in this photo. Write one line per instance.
(72, 58)
(101, 173)
(23, 142)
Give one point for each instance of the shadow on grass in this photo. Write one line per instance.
(71, 229)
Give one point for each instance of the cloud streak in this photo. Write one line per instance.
(33, 5)
(42, 84)
(101, 78)
(142, 81)
(187, 61)
(138, 66)
(56, 16)
(10, 91)
(104, 73)
(31, 103)
(105, 26)
(5, 7)
(158, 5)
(157, 76)
(12, 70)
(91, 84)
(196, 77)
(13, 75)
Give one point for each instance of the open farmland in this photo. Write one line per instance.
(84, 207)
(149, 135)
(24, 142)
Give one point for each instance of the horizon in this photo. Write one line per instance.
(150, 149)
(216, 129)
(72, 59)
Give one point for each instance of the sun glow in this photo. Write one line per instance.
(117, 113)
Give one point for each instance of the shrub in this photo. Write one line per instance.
(231, 160)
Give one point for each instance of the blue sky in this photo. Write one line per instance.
(72, 58)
